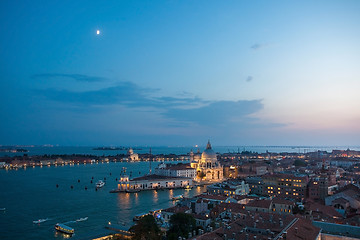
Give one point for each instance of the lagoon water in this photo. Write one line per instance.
(31, 194)
(58, 150)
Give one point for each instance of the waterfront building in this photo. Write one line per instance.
(176, 170)
(150, 182)
(132, 156)
(207, 167)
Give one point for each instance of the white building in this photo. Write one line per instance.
(150, 182)
(132, 156)
(208, 167)
(176, 170)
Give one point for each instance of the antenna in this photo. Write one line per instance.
(150, 162)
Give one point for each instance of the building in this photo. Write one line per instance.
(264, 226)
(256, 185)
(167, 213)
(207, 167)
(285, 185)
(176, 170)
(132, 156)
(229, 188)
(151, 182)
(346, 200)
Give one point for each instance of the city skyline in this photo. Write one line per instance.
(180, 73)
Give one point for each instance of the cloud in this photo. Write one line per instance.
(76, 77)
(256, 46)
(217, 113)
(249, 78)
(184, 113)
(125, 93)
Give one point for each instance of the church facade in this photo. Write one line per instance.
(206, 164)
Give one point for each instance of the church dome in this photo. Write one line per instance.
(208, 154)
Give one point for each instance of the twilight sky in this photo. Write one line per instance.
(180, 72)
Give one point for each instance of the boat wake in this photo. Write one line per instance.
(41, 220)
(69, 222)
(82, 219)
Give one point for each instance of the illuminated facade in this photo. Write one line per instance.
(207, 166)
(132, 156)
(150, 182)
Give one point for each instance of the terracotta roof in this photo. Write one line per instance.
(176, 209)
(259, 203)
(213, 197)
(302, 229)
(265, 225)
(322, 211)
(279, 200)
(180, 167)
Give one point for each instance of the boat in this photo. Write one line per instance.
(63, 228)
(178, 197)
(40, 221)
(82, 219)
(2, 209)
(100, 184)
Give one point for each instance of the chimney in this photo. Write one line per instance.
(296, 230)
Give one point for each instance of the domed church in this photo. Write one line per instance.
(207, 166)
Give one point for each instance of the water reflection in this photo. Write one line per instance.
(155, 196)
(123, 200)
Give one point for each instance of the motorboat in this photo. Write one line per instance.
(63, 228)
(178, 197)
(100, 184)
(40, 220)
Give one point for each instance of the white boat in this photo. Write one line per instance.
(82, 219)
(178, 197)
(100, 184)
(40, 220)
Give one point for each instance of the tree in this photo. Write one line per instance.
(146, 229)
(180, 225)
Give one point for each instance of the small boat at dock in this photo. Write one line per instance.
(64, 229)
